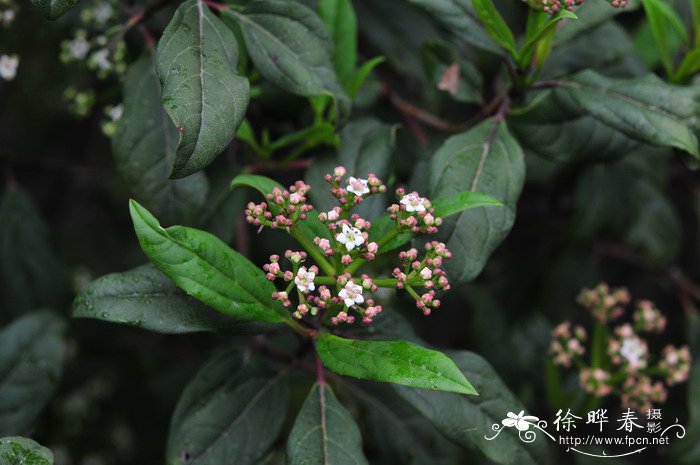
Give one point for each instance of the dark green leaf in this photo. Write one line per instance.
(467, 419)
(484, 159)
(224, 207)
(31, 275)
(397, 362)
(32, 354)
(495, 25)
(689, 66)
(231, 412)
(646, 109)
(383, 225)
(146, 298)
(591, 15)
(143, 147)
(290, 46)
(53, 9)
(438, 56)
(324, 432)
(205, 97)
(208, 269)
(340, 19)
(16, 450)
(358, 78)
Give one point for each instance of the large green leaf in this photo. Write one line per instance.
(205, 97)
(208, 269)
(16, 450)
(146, 298)
(324, 432)
(484, 159)
(53, 9)
(143, 147)
(290, 46)
(231, 412)
(468, 419)
(31, 274)
(646, 108)
(397, 362)
(461, 19)
(32, 354)
(341, 21)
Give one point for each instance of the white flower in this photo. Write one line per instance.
(351, 237)
(8, 66)
(305, 280)
(520, 421)
(413, 202)
(78, 48)
(8, 16)
(633, 349)
(358, 186)
(351, 294)
(103, 12)
(115, 112)
(101, 59)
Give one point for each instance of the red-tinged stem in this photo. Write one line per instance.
(147, 37)
(215, 6)
(320, 371)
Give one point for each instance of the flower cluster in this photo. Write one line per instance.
(567, 343)
(8, 66)
(621, 362)
(282, 209)
(8, 12)
(554, 6)
(605, 304)
(102, 55)
(414, 213)
(345, 244)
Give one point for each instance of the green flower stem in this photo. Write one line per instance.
(598, 344)
(413, 293)
(312, 250)
(381, 282)
(354, 266)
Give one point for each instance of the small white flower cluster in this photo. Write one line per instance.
(113, 114)
(99, 14)
(8, 66)
(101, 55)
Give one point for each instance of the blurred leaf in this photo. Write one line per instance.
(525, 52)
(207, 110)
(484, 159)
(208, 269)
(646, 108)
(468, 419)
(291, 47)
(495, 25)
(53, 9)
(689, 66)
(324, 432)
(231, 412)
(143, 147)
(397, 362)
(437, 57)
(358, 78)
(32, 355)
(461, 19)
(146, 298)
(31, 274)
(660, 15)
(17, 450)
(591, 15)
(340, 18)
(224, 208)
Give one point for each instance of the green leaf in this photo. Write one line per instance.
(208, 269)
(397, 362)
(16, 450)
(358, 78)
(462, 20)
(382, 226)
(262, 184)
(448, 206)
(31, 274)
(660, 14)
(32, 355)
(689, 66)
(525, 52)
(143, 147)
(324, 432)
(484, 159)
(223, 206)
(495, 25)
(591, 15)
(341, 21)
(146, 298)
(467, 419)
(205, 97)
(53, 9)
(291, 47)
(231, 412)
(646, 109)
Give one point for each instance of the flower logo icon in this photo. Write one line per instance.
(520, 421)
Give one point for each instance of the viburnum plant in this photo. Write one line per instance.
(617, 360)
